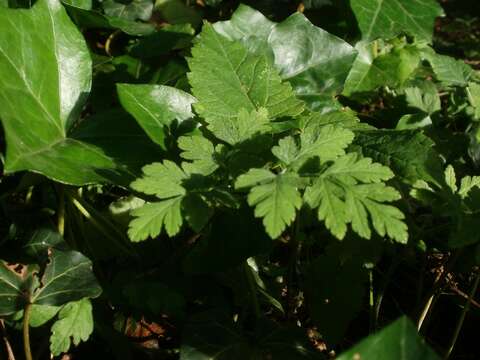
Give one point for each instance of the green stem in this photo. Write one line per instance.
(26, 331)
(98, 221)
(382, 289)
(371, 300)
(462, 316)
(252, 286)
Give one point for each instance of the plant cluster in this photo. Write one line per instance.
(204, 181)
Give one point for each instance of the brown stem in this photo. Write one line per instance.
(8, 347)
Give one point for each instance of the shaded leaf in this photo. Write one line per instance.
(155, 107)
(74, 324)
(275, 197)
(388, 18)
(398, 341)
(68, 277)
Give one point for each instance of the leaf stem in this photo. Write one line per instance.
(26, 331)
(463, 315)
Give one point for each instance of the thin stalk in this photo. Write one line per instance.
(371, 300)
(8, 347)
(61, 209)
(437, 286)
(462, 316)
(252, 286)
(82, 207)
(26, 332)
(382, 289)
(292, 265)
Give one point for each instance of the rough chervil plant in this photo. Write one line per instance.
(212, 181)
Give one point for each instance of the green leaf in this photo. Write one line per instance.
(235, 130)
(133, 10)
(428, 102)
(82, 4)
(226, 78)
(162, 180)
(61, 58)
(36, 117)
(409, 153)
(398, 341)
(151, 218)
(275, 197)
(447, 69)
(388, 18)
(12, 287)
(473, 92)
(177, 12)
(201, 152)
(467, 184)
(163, 41)
(40, 241)
(155, 107)
(391, 69)
(341, 198)
(92, 19)
(325, 142)
(41, 314)
(315, 62)
(68, 277)
(74, 324)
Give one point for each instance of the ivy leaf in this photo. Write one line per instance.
(226, 78)
(12, 291)
(243, 127)
(317, 63)
(398, 341)
(36, 117)
(201, 152)
(74, 324)
(68, 277)
(155, 107)
(87, 19)
(388, 18)
(133, 10)
(275, 197)
(392, 68)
